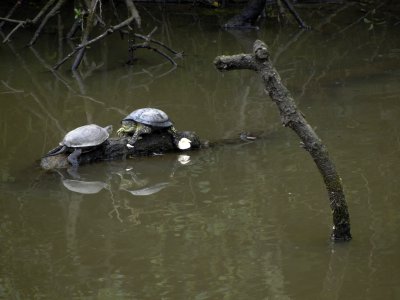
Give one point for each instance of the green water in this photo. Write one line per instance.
(244, 221)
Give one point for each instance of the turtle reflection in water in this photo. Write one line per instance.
(80, 140)
(146, 121)
(138, 186)
(84, 187)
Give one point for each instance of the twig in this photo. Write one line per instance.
(133, 16)
(156, 42)
(18, 3)
(22, 23)
(11, 20)
(79, 81)
(291, 9)
(7, 38)
(47, 112)
(145, 45)
(91, 99)
(360, 19)
(50, 14)
(116, 15)
(115, 12)
(11, 90)
(157, 51)
(42, 11)
(133, 11)
(56, 74)
(74, 28)
(86, 33)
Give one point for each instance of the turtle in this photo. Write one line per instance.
(145, 121)
(82, 139)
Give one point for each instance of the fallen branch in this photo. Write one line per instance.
(259, 61)
(115, 148)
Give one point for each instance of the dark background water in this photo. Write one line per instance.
(244, 221)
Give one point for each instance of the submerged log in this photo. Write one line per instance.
(115, 148)
(260, 62)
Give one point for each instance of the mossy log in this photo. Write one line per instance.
(260, 62)
(115, 148)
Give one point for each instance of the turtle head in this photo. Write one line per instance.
(127, 126)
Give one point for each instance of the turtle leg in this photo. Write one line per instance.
(172, 131)
(140, 129)
(57, 150)
(73, 157)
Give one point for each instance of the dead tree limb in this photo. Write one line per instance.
(52, 7)
(50, 14)
(259, 61)
(157, 43)
(86, 33)
(74, 28)
(22, 23)
(10, 13)
(134, 16)
(146, 45)
(163, 54)
(43, 10)
(112, 30)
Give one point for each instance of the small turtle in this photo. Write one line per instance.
(82, 139)
(145, 121)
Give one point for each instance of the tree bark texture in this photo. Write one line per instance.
(115, 148)
(259, 61)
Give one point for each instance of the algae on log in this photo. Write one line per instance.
(259, 61)
(115, 148)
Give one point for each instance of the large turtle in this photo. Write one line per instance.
(82, 139)
(145, 121)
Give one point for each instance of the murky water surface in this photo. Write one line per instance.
(243, 221)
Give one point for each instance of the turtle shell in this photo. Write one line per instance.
(86, 136)
(150, 116)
